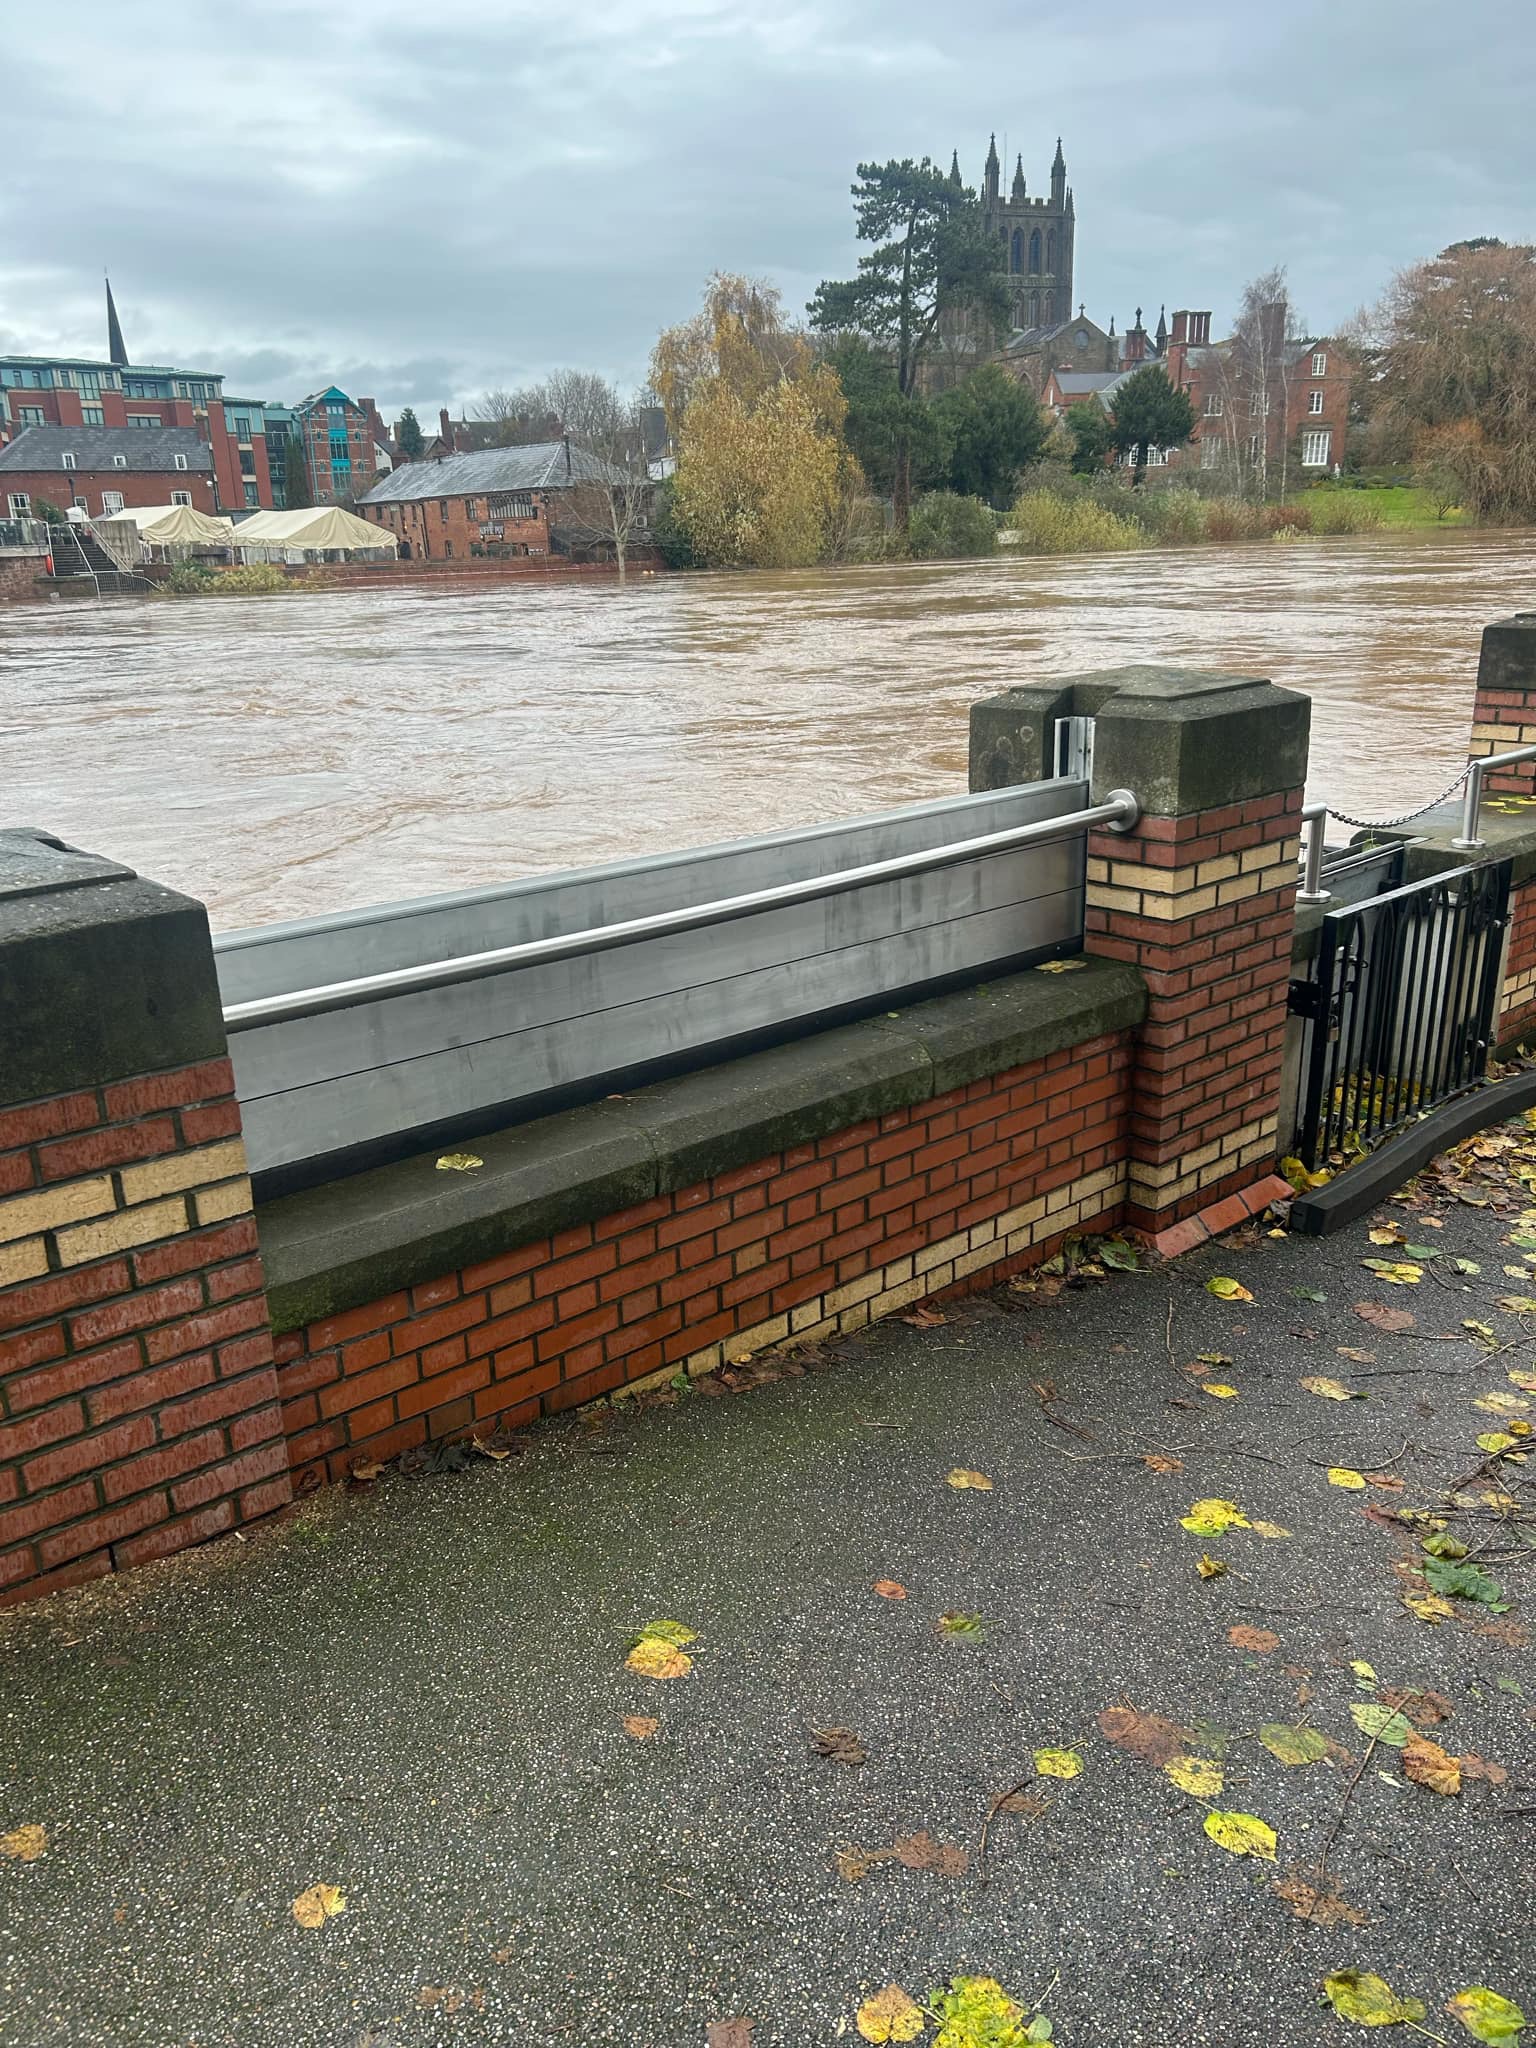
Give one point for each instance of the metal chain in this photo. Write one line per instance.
(1408, 817)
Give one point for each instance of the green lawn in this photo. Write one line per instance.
(1396, 505)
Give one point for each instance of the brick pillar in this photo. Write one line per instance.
(1504, 709)
(1201, 897)
(138, 1400)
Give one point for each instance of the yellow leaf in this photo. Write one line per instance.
(1195, 1774)
(1227, 1290)
(1364, 1671)
(655, 1657)
(978, 1482)
(1387, 1233)
(1326, 1389)
(1524, 1379)
(1432, 1607)
(1242, 1834)
(1057, 1763)
(641, 1727)
(459, 1162)
(1270, 1529)
(1494, 1440)
(1056, 966)
(1211, 1517)
(889, 2016)
(26, 1843)
(1210, 1568)
(1427, 1764)
(1340, 1475)
(1288, 1744)
(321, 1902)
(1502, 1404)
(1362, 1996)
(1487, 2015)
(1220, 1389)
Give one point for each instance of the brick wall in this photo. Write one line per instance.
(1204, 904)
(953, 1193)
(1517, 1001)
(138, 1404)
(1504, 707)
(442, 529)
(23, 579)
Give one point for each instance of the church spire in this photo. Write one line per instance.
(954, 170)
(992, 170)
(1162, 329)
(1018, 178)
(117, 348)
(1059, 177)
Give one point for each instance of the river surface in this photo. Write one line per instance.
(288, 755)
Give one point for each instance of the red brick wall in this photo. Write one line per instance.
(138, 487)
(440, 529)
(21, 579)
(954, 1193)
(1517, 1002)
(138, 1407)
(1502, 720)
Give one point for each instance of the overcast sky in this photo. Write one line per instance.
(419, 202)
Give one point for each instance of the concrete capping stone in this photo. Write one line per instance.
(106, 976)
(334, 1247)
(1191, 740)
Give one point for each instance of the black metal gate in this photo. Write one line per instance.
(1400, 1009)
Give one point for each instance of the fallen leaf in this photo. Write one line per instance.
(977, 1482)
(1042, 967)
(1242, 1637)
(1196, 1775)
(1427, 1764)
(458, 1162)
(1381, 1316)
(488, 1447)
(1030, 1804)
(1475, 1767)
(1517, 1304)
(1210, 1358)
(1493, 1441)
(1329, 1390)
(1211, 1568)
(922, 1852)
(1293, 1745)
(839, 1745)
(1149, 1737)
(1487, 2015)
(1156, 1461)
(1424, 1709)
(1431, 1607)
(1362, 1996)
(1241, 1834)
(1219, 1388)
(365, 1471)
(26, 1843)
(1309, 1294)
(1057, 1763)
(889, 1589)
(1119, 1256)
(1384, 1724)
(924, 1318)
(655, 1657)
(1341, 1475)
(1482, 1332)
(958, 1623)
(1212, 1516)
(1272, 1531)
(319, 1903)
(1365, 1674)
(1387, 1481)
(1354, 1355)
(736, 2033)
(976, 2012)
(672, 1632)
(1317, 1901)
(1396, 1272)
(641, 1726)
(1464, 1582)
(1523, 1378)
(889, 2016)
(1227, 1290)
(1502, 1404)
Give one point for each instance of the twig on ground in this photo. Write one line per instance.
(1338, 1819)
(981, 1847)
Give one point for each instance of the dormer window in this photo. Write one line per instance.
(67, 460)
(181, 462)
(119, 462)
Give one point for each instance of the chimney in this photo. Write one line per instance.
(1180, 327)
(445, 427)
(567, 440)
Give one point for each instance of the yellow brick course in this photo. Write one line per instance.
(143, 1225)
(183, 1170)
(50, 1207)
(217, 1205)
(23, 1261)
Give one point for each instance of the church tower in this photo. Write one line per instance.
(1037, 237)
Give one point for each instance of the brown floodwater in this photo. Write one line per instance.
(288, 755)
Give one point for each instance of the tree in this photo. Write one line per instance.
(1251, 375)
(931, 255)
(738, 337)
(599, 420)
(48, 512)
(295, 475)
(1459, 350)
(1093, 438)
(409, 437)
(1149, 412)
(995, 428)
(881, 425)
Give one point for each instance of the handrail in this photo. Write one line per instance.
(1118, 813)
(1472, 803)
(1314, 826)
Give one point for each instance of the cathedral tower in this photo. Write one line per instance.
(1037, 236)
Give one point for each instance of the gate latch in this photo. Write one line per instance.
(1305, 999)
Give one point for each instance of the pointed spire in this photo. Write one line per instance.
(117, 348)
(1018, 177)
(989, 184)
(1059, 167)
(954, 170)
(1162, 327)
(992, 163)
(1111, 324)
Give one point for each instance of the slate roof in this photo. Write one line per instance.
(44, 448)
(538, 467)
(1073, 383)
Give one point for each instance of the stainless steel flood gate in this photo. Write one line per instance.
(366, 1034)
(1400, 1012)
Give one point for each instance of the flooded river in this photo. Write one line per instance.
(283, 756)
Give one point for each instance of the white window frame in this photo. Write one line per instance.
(1320, 363)
(67, 460)
(119, 462)
(1314, 401)
(1215, 405)
(1316, 448)
(181, 461)
(181, 497)
(1210, 451)
(20, 503)
(111, 502)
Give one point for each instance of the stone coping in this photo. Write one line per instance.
(331, 1248)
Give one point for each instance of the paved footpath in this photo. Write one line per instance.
(416, 1692)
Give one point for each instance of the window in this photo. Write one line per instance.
(143, 419)
(181, 462)
(247, 462)
(471, 508)
(1050, 252)
(1320, 364)
(119, 462)
(442, 511)
(31, 415)
(21, 504)
(1315, 446)
(1210, 452)
(1314, 401)
(516, 505)
(242, 428)
(1016, 253)
(92, 415)
(1034, 253)
(181, 497)
(111, 501)
(1214, 406)
(448, 550)
(252, 494)
(89, 380)
(66, 460)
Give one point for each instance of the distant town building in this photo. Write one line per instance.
(1262, 399)
(103, 470)
(495, 501)
(338, 446)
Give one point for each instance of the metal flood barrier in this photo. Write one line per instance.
(365, 1035)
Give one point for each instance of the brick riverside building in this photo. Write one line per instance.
(493, 502)
(338, 446)
(103, 469)
(1297, 394)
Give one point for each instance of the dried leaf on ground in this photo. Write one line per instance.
(1211, 1567)
(1227, 1290)
(459, 1162)
(495, 1447)
(26, 1843)
(365, 1471)
(1315, 1898)
(1354, 1354)
(1427, 1764)
(317, 1904)
(1197, 1775)
(654, 1657)
(1150, 1738)
(1384, 1724)
(1342, 1475)
(1218, 1388)
(924, 1318)
(1156, 1461)
(1431, 1607)
(1487, 2015)
(1289, 1744)
(1424, 1709)
(963, 1481)
(1381, 1316)
(840, 1745)
(736, 2033)
(1057, 1763)
(1396, 1272)
(1242, 1637)
(1212, 1516)
(889, 1589)
(1477, 1769)
(1057, 967)
(1241, 1834)
(889, 2016)
(641, 1727)
(1270, 1530)
(1329, 1390)
(1362, 1996)
(1029, 1804)
(922, 1852)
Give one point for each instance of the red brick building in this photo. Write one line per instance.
(104, 469)
(1262, 403)
(496, 502)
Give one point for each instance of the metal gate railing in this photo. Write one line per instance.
(1400, 1009)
